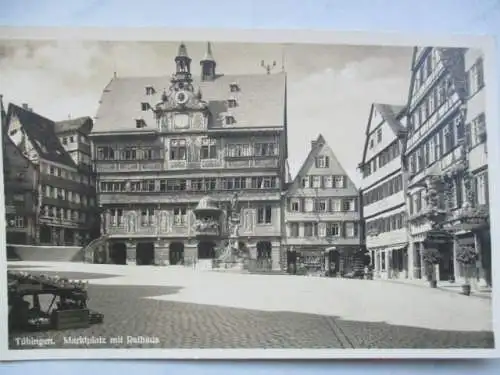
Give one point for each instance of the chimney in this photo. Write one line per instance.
(26, 107)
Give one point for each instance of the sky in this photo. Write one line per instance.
(330, 87)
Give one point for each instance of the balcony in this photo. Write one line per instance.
(128, 166)
(207, 228)
(252, 162)
(468, 218)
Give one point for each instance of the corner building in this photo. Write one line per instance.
(446, 152)
(64, 202)
(165, 146)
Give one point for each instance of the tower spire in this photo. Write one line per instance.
(208, 64)
(183, 65)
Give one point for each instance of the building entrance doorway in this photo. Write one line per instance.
(176, 253)
(206, 250)
(118, 253)
(145, 253)
(45, 235)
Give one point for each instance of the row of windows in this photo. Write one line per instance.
(382, 159)
(324, 182)
(322, 205)
(436, 97)
(63, 214)
(178, 151)
(455, 195)
(147, 218)
(195, 184)
(426, 68)
(442, 142)
(63, 194)
(78, 138)
(386, 224)
(63, 173)
(329, 229)
(384, 190)
(127, 153)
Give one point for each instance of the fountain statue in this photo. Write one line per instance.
(230, 252)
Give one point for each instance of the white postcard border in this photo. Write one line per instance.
(486, 43)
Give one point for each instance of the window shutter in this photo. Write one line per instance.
(344, 180)
(302, 204)
(329, 205)
(356, 228)
(327, 161)
(316, 163)
(322, 182)
(342, 229)
(475, 186)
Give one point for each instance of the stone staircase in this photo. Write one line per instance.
(89, 250)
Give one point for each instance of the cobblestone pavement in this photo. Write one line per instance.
(129, 310)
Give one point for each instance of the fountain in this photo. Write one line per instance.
(230, 256)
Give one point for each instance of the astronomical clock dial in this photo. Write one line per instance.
(181, 97)
(181, 121)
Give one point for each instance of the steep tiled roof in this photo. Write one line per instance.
(320, 147)
(390, 114)
(260, 101)
(40, 132)
(83, 124)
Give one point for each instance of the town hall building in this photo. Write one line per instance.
(169, 149)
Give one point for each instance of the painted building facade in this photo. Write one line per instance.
(445, 164)
(322, 220)
(63, 213)
(162, 144)
(383, 192)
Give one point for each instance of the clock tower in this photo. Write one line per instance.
(181, 106)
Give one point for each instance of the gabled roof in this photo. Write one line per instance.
(81, 124)
(391, 114)
(260, 101)
(335, 168)
(40, 132)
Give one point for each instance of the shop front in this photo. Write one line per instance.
(471, 229)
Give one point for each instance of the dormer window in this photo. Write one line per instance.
(233, 87)
(231, 103)
(145, 106)
(150, 90)
(140, 123)
(229, 120)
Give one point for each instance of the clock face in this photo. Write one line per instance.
(181, 121)
(181, 97)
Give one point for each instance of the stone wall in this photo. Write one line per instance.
(46, 253)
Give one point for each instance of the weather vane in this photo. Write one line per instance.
(268, 67)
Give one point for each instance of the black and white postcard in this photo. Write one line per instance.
(245, 194)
